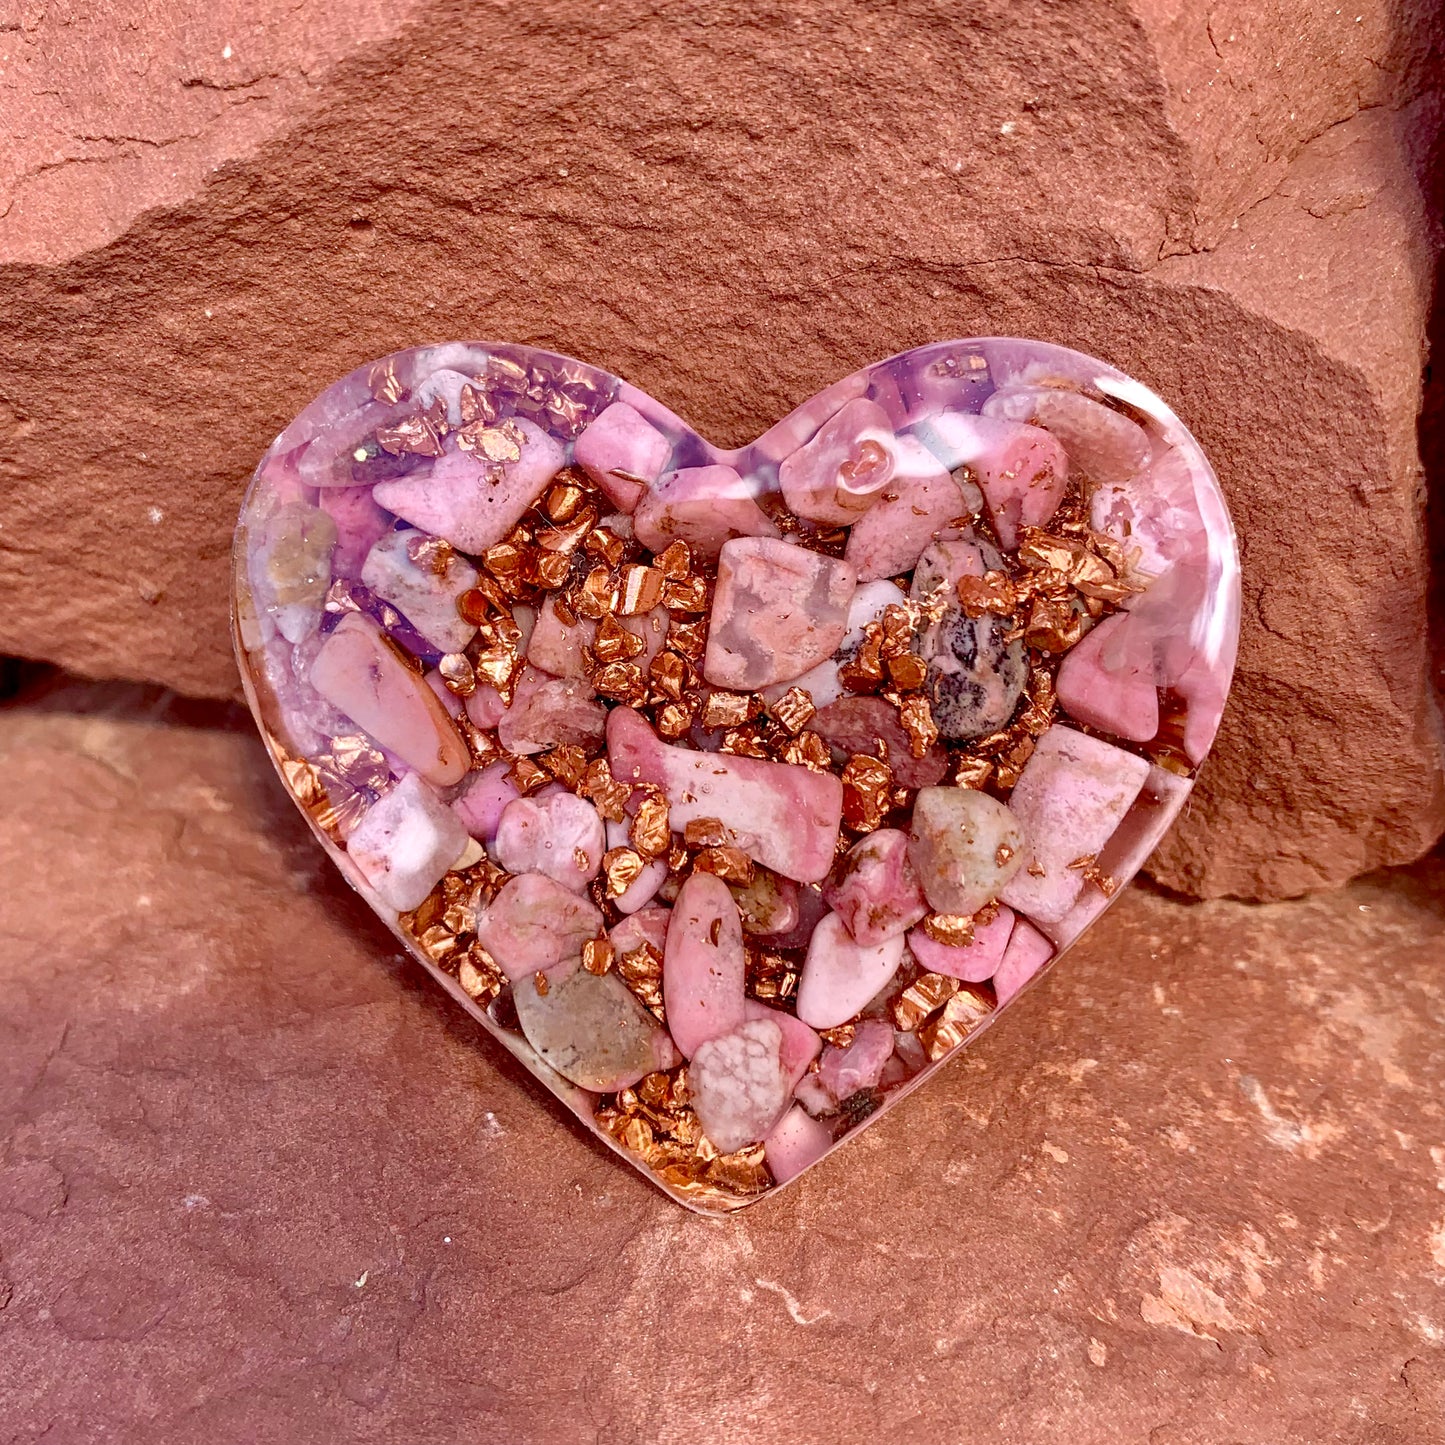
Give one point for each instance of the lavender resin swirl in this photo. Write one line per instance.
(734, 790)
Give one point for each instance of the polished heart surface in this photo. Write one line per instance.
(733, 791)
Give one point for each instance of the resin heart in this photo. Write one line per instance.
(734, 790)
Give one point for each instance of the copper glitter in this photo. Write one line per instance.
(705, 833)
(650, 833)
(794, 710)
(953, 929)
(675, 561)
(727, 709)
(915, 715)
(640, 590)
(866, 784)
(605, 791)
(614, 643)
(622, 867)
(927, 993)
(597, 955)
(961, 1015)
(730, 864)
(457, 674)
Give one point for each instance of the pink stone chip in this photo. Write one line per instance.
(1027, 952)
(623, 453)
(560, 835)
(704, 964)
(647, 925)
(483, 799)
(549, 712)
(974, 962)
(1103, 443)
(797, 1142)
(1022, 470)
(839, 474)
(778, 610)
(840, 976)
(702, 506)
(859, 724)
(557, 648)
(358, 671)
(738, 1084)
(1107, 680)
(786, 818)
(843, 1072)
(534, 923)
(405, 843)
(1024, 484)
(875, 890)
(473, 502)
(360, 524)
(1072, 794)
(918, 504)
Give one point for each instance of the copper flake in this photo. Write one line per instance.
(794, 710)
(927, 993)
(597, 955)
(953, 929)
(866, 785)
(622, 867)
(640, 590)
(614, 643)
(730, 864)
(650, 832)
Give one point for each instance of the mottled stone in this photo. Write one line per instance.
(975, 674)
(623, 453)
(425, 593)
(737, 1084)
(874, 890)
(767, 903)
(838, 474)
(473, 502)
(549, 712)
(796, 1143)
(785, 817)
(1027, 952)
(843, 1072)
(965, 846)
(560, 835)
(778, 610)
(483, 798)
(888, 539)
(973, 962)
(868, 725)
(702, 972)
(841, 976)
(1102, 443)
(1107, 681)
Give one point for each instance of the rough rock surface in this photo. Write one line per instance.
(212, 215)
(261, 1183)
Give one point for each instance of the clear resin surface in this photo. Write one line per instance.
(734, 790)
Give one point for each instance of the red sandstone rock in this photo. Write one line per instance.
(260, 1179)
(230, 218)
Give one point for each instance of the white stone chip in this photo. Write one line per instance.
(426, 598)
(405, 843)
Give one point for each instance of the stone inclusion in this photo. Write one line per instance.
(735, 790)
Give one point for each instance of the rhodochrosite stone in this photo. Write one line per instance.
(735, 790)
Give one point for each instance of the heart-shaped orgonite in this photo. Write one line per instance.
(735, 790)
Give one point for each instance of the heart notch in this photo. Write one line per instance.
(734, 791)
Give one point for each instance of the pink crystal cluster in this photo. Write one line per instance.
(921, 471)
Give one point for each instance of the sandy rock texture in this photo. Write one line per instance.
(214, 211)
(261, 1183)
